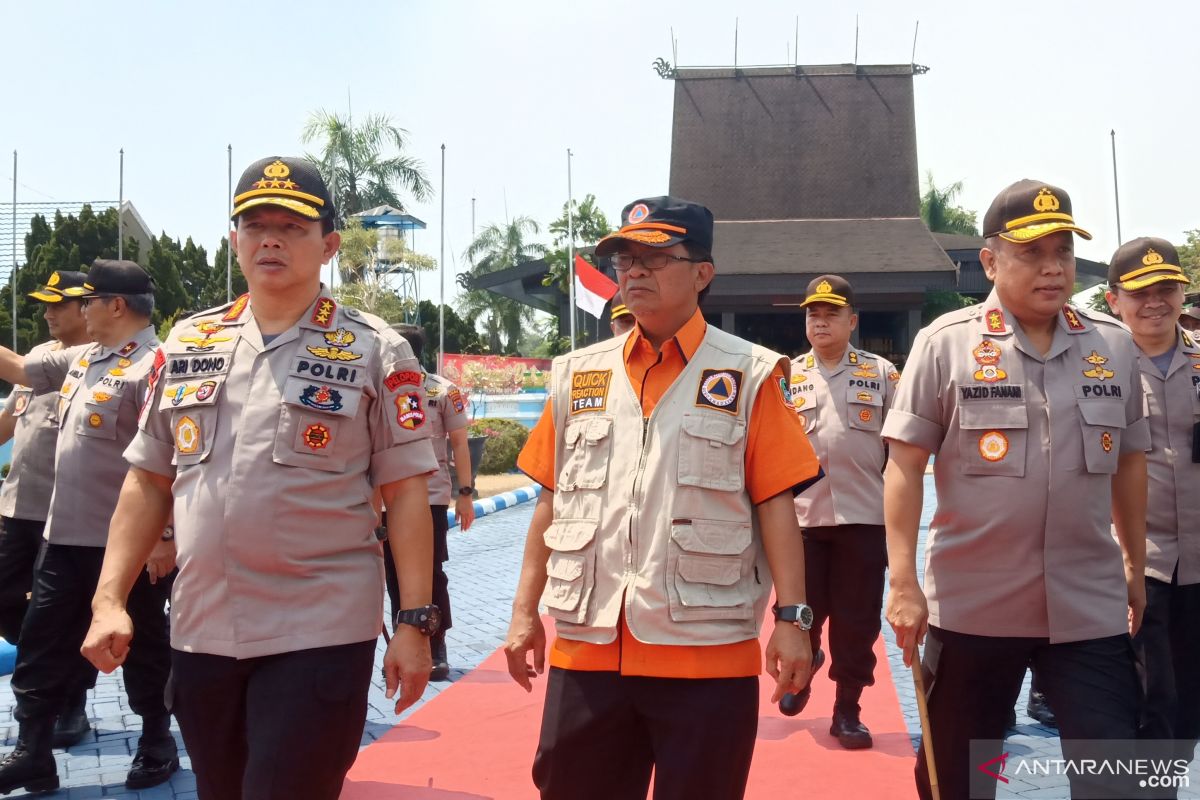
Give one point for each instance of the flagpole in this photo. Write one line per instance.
(120, 203)
(12, 281)
(228, 208)
(1116, 191)
(570, 250)
(441, 362)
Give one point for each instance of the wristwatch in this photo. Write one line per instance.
(168, 534)
(799, 615)
(426, 619)
(466, 491)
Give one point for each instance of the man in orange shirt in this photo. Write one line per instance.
(669, 460)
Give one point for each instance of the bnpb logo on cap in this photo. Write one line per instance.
(638, 213)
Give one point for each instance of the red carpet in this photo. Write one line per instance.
(476, 741)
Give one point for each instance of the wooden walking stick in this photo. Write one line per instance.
(923, 713)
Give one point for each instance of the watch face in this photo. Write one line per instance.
(806, 617)
(434, 621)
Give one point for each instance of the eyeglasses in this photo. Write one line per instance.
(623, 262)
(88, 300)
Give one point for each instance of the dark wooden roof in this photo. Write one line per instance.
(796, 143)
(813, 246)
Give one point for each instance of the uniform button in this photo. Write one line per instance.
(352, 312)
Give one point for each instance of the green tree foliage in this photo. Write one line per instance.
(1189, 258)
(461, 336)
(364, 250)
(940, 213)
(499, 247)
(940, 302)
(590, 226)
(365, 165)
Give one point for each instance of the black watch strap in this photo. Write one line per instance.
(426, 619)
(466, 491)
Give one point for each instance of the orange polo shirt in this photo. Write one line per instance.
(778, 458)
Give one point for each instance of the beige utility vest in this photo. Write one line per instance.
(652, 516)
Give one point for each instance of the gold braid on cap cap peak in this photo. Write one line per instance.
(275, 182)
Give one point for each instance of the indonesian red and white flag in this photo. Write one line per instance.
(592, 287)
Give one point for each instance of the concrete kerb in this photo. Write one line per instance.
(499, 502)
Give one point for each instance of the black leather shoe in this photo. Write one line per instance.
(849, 730)
(72, 725)
(793, 703)
(152, 764)
(441, 666)
(30, 766)
(1040, 710)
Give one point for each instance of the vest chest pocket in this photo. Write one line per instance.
(992, 438)
(864, 409)
(588, 446)
(1102, 422)
(571, 569)
(712, 452)
(710, 570)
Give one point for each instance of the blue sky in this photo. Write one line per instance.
(508, 87)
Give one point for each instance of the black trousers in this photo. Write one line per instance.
(20, 541)
(603, 733)
(276, 727)
(973, 681)
(1168, 646)
(50, 668)
(441, 584)
(843, 576)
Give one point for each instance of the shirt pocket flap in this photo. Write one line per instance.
(718, 430)
(1103, 413)
(597, 429)
(863, 397)
(985, 416)
(572, 433)
(569, 535)
(566, 567)
(709, 569)
(711, 536)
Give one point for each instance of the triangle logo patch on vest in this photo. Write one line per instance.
(720, 389)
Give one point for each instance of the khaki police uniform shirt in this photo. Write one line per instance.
(275, 450)
(1172, 507)
(30, 482)
(842, 410)
(447, 413)
(100, 390)
(1026, 446)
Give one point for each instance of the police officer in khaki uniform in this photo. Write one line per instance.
(269, 425)
(98, 388)
(620, 317)
(1034, 410)
(31, 422)
(447, 419)
(1146, 289)
(842, 394)
(669, 459)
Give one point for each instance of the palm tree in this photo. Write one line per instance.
(499, 247)
(940, 213)
(365, 165)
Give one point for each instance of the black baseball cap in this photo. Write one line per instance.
(59, 281)
(1029, 210)
(1145, 261)
(661, 222)
(291, 183)
(109, 276)
(832, 289)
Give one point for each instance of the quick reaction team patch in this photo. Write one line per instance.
(589, 390)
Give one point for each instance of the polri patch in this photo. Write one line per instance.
(720, 389)
(589, 390)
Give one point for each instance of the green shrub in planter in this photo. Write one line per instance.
(505, 440)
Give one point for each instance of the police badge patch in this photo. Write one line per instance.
(410, 414)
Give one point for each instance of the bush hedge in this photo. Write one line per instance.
(505, 440)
